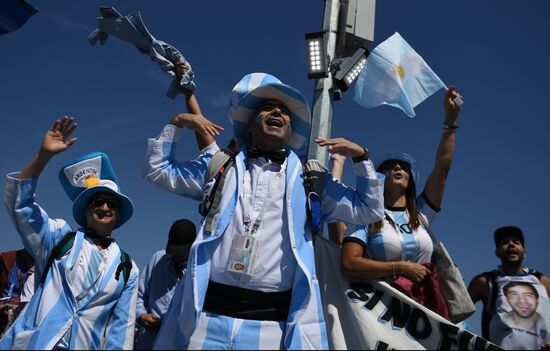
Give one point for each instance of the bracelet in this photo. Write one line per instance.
(447, 126)
(393, 268)
(363, 157)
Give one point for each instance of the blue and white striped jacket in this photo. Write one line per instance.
(305, 328)
(101, 319)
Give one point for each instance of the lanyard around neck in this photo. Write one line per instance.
(249, 228)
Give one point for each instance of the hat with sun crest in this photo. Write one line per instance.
(88, 175)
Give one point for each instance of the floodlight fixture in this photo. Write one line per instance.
(350, 68)
(317, 56)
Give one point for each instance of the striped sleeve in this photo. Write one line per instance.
(357, 234)
(38, 232)
(363, 205)
(120, 331)
(161, 169)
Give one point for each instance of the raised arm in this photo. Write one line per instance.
(363, 204)
(204, 129)
(38, 232)
(435, 185)
(160, 166)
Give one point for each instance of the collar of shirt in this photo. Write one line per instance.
(171, 267)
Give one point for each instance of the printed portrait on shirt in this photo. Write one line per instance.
(524, 314)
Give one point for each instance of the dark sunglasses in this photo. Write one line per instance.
(390, 164)
(112, 204)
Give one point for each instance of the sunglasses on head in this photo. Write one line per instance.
(111, 203)
(390, 164)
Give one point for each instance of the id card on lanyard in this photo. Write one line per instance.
(245, 247)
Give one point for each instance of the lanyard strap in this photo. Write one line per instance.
(249, 228)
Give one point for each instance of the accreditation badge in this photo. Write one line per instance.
(242, 257)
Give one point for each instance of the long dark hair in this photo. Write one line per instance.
(410, 196)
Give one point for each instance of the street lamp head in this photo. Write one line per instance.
(350, 68)
(316, 53)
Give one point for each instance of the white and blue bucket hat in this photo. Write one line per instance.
(401, 156)
(251, 91)
(87, 175)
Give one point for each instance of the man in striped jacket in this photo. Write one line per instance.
(85, 296)
(251, 281)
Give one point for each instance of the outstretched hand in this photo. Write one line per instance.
(341, 146)
(57, 139)
(198, 123)
(451, 108)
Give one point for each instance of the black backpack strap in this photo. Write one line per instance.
(124, 266)
(58, 251)
(217, 169)
(313, 174)
(489, 307)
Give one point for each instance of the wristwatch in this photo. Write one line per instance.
(363, 157)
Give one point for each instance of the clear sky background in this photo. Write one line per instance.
(496, 52)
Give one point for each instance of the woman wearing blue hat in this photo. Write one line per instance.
(86, 296)
(399, 244)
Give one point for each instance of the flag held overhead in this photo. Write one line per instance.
(395, 75)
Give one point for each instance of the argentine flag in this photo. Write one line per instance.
(395, 75)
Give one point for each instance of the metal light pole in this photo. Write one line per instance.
(348, 28)
(321, 123)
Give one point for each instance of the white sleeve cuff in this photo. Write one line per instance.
(365, 169)
(170, 133)
(212, 148)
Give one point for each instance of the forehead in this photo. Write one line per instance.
(521, 289)
(271, 103)
(507, 238)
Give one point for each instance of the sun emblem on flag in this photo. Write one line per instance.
(400, 70)
(91, 182)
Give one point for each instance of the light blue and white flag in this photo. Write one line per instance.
(395, 75)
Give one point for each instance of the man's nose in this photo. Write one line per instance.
(276, 111)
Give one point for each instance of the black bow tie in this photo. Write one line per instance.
(277, 156)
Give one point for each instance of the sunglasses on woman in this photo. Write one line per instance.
(390, 164)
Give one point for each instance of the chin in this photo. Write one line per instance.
(103, 224)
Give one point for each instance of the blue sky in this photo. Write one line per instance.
(496, 52)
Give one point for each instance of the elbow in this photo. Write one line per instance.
(347, 268)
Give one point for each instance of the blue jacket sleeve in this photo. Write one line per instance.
(38, 232)
(363, 205)
(161, 169)
(121, 327)
(170, 336)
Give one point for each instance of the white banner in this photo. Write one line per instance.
(371, 315)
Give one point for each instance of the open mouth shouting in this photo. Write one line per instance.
(274, 122)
